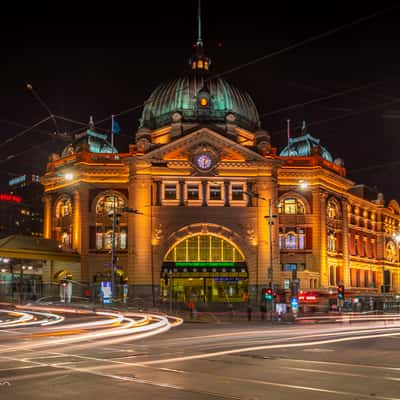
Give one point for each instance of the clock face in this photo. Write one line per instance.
(204, 161)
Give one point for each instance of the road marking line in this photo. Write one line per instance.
(351, 365)
(310, 388)
(267, 347)
(15, 368)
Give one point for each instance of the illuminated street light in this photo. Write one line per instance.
(303, 184)
(69, 176)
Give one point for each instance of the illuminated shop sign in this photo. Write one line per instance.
(10, 197)
(311, 296)
(17, 180)
(204, 264)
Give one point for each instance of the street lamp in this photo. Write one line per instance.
(270, 222)
(115, 214)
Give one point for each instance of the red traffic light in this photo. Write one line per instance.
(340, 291)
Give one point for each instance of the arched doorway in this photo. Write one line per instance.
(206, 268)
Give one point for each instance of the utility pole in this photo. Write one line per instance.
(113, 248)
(170, 290)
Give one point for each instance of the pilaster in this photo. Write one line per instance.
(47, 217)
(346, 249)
(320, 236)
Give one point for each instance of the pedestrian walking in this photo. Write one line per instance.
(191, 306)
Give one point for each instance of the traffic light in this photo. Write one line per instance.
(340, 292)
(267, 294)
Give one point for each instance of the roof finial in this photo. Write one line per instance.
(91, 122)
(199, 39)
(303, 127)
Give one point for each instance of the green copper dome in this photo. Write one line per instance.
(302, 147)
(198, 99)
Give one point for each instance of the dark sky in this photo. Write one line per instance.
(101, 61)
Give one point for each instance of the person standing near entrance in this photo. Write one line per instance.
(191, 306)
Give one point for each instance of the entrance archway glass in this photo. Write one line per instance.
(206, 268)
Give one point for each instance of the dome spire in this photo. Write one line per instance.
(199, 62)
(199, 39)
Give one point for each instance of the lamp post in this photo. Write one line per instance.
(270, 221)
(115, 213)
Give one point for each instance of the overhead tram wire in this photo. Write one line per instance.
(273, 54)
(44, 105)
(12, 138)
(244, 65)
(327, 97)
(345, 115)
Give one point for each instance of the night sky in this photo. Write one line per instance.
(102, 61)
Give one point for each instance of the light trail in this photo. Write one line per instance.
(277, 346)
(28, 319)
(115, 326)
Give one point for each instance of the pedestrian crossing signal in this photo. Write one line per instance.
(268, 294)
(340, 292)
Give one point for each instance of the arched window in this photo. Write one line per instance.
(333, 210)
(292, 240)
(332, 276)
(104, 232)
(331, 242)
(202, 247)
(390, 253)
(63, 221)
(291, 206)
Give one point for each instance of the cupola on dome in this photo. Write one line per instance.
(198, 99)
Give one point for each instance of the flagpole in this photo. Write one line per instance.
(288, 136)
(112, 130)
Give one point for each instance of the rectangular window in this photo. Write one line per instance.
(215, 192)
(122, 239)
(99, 240)
(301, 241)
(290, 206)
(358, 278)
(170, 191)
(332, 275)
(366, 278)
(193, 192)
(290, 267)
(237, 192)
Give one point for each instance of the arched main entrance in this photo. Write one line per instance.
(205, 267)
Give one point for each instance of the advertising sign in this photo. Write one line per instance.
(106, 292)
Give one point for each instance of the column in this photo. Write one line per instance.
(204, 189)
(181, 192)
(267, 188)
(139, 235)
(47, 217)
(249, 190)
(158, 193)
(319, 236)
(226, 192)
(80, 229)
(345, 244)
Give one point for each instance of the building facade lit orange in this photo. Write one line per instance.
(199, 155)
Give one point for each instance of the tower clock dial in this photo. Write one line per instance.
(203, 161)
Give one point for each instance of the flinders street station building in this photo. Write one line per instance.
(224, 212)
